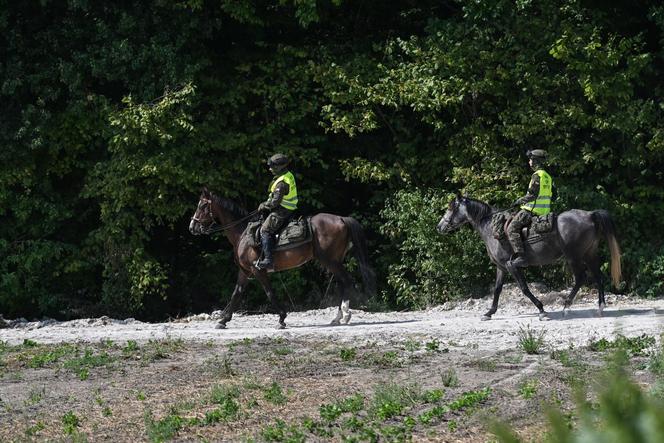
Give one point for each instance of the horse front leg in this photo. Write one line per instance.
(497, 289)
(518, 276)
(227, 313)
(261, 276)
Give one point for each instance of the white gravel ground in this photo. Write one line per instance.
(456, 322)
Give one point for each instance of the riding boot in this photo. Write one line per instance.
(267, 242)
(518, 260)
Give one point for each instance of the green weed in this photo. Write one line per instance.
(634, 346)
(70, 422)
(449, 378)
(391, 399)
(484, 364)
(284, 350)
(531, 341)
(347, 354)
(528, 389)
(35, 429)
(281, 432)
(274, 394)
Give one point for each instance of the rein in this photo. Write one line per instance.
(214, 227)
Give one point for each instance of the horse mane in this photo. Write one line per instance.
(477, 210)
(230, 206)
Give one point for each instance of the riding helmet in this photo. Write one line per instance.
(537, 154)
(278, 162)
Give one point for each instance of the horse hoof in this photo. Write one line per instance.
(346, 319)
(600, 311)
(485, 317)
(281, 326)
(335, 322)
(220, 326)
(544, 316)
(566, 312)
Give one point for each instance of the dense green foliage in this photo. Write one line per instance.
(114, 116)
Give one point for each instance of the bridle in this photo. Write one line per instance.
(214, 226)
(447, 220)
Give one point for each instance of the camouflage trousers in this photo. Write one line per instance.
(276, 220)
(521, 219)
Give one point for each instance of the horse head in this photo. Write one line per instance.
(203, 218)
(455, 216)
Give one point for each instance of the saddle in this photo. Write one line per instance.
(540, 226)
(297, 232)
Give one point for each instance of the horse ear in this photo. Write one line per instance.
(205, 192)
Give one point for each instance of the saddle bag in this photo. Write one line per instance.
(543, 224)
(498, 221)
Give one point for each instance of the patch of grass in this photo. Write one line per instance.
(411, 345)
(220, 366)
(130, 347)
(160, 349)
(46, 355)
(528, 389)
(283, 350)
(165, 428)
(434, 346)
(330, 412)
(244, 342)
(81, 365)
(449, 378)
(468, 399)
(389, 359)
(484, 364)
(634, 346)
(70, 422)
(391, 399)
(656, 361)
(530, 340)
(433, 396)
(274, 394)
(140, 396)
(347, 354)
(281, 432)
(35, 396)
(35, 429)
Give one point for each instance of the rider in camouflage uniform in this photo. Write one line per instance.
(537, 201)
(279, 207)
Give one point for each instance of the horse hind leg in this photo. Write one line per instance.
(579, 278)
(593, 266)
(518, 276)
(345, 308)
(346, 282)
(261, 276)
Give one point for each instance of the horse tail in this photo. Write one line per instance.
(605, 225)
(361, 254)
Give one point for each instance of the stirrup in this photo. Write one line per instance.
(264, 266)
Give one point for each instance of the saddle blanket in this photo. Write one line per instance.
(295, 233)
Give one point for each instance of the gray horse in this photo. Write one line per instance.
(577, 241)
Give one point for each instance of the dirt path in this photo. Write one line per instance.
(458, 322)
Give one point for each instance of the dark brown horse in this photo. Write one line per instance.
(333, 236)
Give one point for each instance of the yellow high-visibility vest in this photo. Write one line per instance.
(290, 200)
(542, 205)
